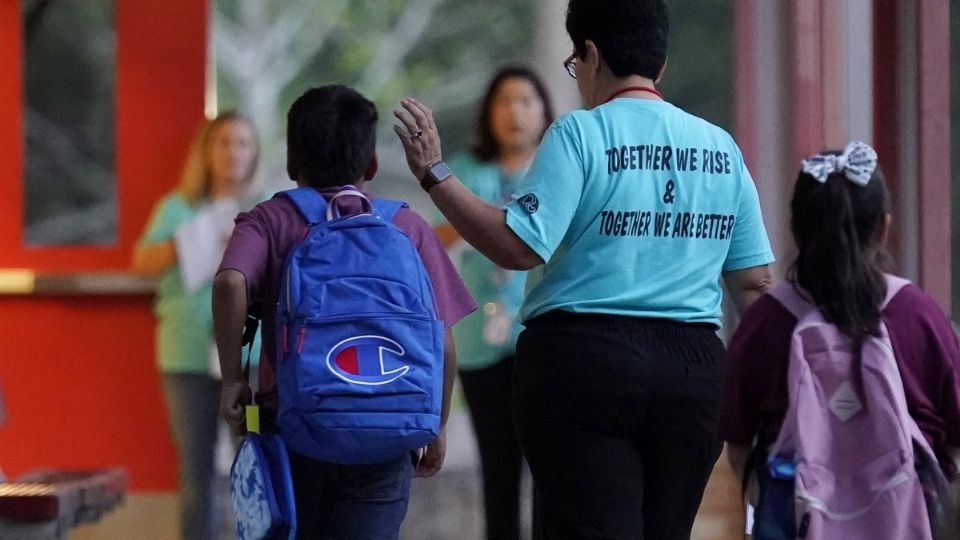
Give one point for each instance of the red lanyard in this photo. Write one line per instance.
(633, 89)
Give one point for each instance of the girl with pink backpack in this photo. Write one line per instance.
(842, 389)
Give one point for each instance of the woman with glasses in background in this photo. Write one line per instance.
(514, 113)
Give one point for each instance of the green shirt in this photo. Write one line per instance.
(184, 320)
(489, 334)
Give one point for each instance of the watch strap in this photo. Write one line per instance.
(430, 178)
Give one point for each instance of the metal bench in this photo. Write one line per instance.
(46, 504)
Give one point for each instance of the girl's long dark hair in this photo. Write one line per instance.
(487, 148)
(840, 262)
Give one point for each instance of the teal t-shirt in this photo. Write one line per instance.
(637, 207)
(489, 334)
(184, 334)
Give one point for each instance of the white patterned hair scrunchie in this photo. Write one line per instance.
(857, 162)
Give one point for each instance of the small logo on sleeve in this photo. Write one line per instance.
(529, 202)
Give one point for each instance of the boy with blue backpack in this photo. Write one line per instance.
(357, 298)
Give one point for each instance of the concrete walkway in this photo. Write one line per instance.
(445, 507)
(450, 504)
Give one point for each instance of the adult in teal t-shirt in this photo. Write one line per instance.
(218, 171)
(629, 216)
(489, 334)
(637, 218)
(514, 113)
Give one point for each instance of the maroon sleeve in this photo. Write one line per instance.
(453, 299)
(754, 395)
(950, 403)
(248, 251)
(929, 359)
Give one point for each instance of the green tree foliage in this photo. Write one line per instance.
(69, 64)
(699, 76)
(441, 51)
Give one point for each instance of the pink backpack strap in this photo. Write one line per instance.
(894, 284)
(787, 294)
(790, 297)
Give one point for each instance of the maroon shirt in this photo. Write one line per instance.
(755, 385)
(265, 235)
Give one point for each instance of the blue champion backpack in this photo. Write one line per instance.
(360, 347)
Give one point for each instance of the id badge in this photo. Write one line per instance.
(496, 325)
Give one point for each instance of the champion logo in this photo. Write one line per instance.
(367, 360)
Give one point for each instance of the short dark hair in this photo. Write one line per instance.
(630, 34)
(487, 147)
(331, 136)
(839, 261)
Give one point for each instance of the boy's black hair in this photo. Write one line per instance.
(331, 136)
(630, 34)
(839, 260)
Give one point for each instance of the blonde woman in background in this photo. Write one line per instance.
(218, 174)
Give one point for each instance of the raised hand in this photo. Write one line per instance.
(418, 134)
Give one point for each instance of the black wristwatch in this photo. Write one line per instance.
(436, 174)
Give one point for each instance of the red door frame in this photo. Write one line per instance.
(78, 372)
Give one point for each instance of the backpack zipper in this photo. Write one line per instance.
(366, 315)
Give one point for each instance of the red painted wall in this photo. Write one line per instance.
(78, 371)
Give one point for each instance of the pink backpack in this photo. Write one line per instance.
(849, 432)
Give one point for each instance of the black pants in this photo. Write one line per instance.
(488, 392)
(617, 418)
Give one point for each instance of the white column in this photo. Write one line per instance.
(857, 30)
(774, 171)
(552, 46)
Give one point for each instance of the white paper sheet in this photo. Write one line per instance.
(201, 241)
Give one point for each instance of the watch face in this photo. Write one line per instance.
(440, 171)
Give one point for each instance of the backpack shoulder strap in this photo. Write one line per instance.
(787, 294)
(388, 207)
(309, 202)
(894, 284)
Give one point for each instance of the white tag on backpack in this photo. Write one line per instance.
(844, 403)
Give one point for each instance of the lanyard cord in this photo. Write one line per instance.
(633, 89)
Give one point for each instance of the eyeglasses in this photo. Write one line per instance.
(570, 64)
